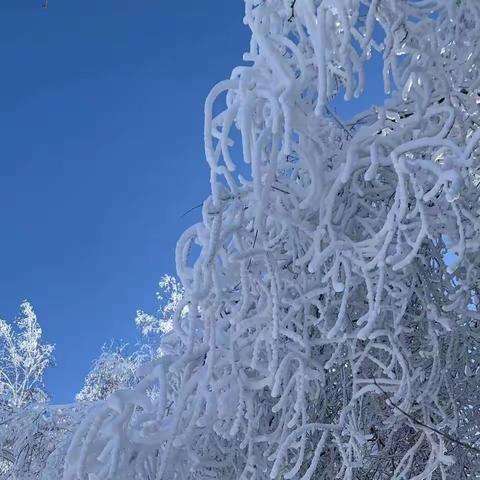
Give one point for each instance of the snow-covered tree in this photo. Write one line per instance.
(115, 368)
(23, 361)
(326, 336)
(34, 436)
(35, 440)
(169, 296)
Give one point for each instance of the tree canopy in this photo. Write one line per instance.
(328, 328)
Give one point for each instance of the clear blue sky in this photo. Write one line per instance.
(101, 125)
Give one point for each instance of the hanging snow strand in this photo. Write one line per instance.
(323, 334)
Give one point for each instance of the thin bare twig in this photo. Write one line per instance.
(292, 7)
(253, 246)
(424, 425)
(280, 190)
(338, 121)
(191, 209)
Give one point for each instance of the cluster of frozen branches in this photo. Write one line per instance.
(169, 296)
(35, 435)
(326, 336)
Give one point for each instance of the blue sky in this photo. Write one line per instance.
(101, 121)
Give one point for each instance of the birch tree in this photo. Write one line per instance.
(115, 368)
(23, 360)
(24, 357)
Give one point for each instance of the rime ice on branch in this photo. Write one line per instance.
(326, 337)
